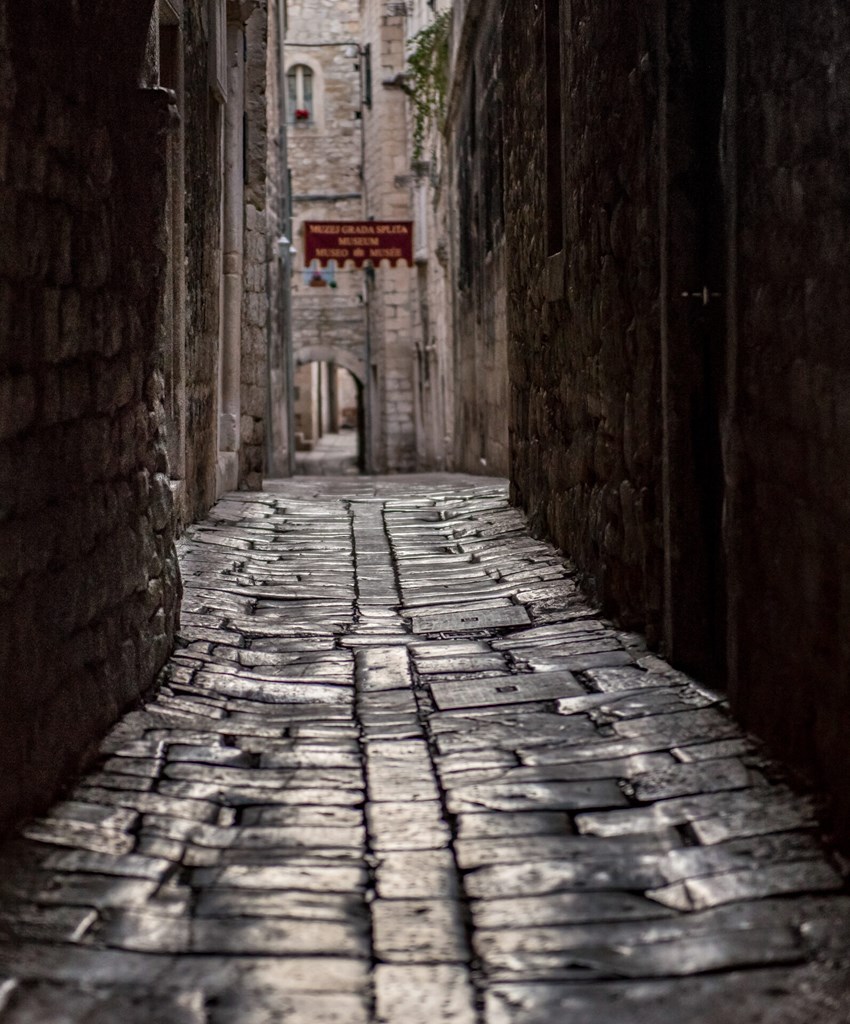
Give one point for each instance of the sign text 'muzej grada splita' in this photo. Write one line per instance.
(359, 241)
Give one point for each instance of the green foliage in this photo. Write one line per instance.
(428, 77)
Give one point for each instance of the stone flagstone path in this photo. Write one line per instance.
(400, 771)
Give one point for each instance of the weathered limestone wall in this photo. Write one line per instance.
(789, 445)
(255, 314)
(277, 210)
(393, 350)
(392, 292)
(233, 306)
(584, 364)
(259, 221)
(89, 583)
(480, 315)
(432, 205)
(203, 118)
(351, 159)
(331, 323)
(325, 154)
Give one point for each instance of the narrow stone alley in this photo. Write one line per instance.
(398, 770)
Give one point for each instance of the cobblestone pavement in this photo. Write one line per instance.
(399, 771)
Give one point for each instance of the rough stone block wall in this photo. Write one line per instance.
(325, 151)
(257, 254)
(276, 211)
(432, 203)
(435, 379)
(480, 330)
(203, 262)
(584, 368)
(394, 292)
(89, 584)
(330, 322)
(325, 154)
(393, 295)
(789, 506)
(255, 315)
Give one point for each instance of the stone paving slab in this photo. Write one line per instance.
(422, 994)
(755, 997)
(399, 770)
(488, 615)
(502, 689)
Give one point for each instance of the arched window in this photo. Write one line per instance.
(299, 106)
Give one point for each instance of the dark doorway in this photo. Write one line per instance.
(694, 334)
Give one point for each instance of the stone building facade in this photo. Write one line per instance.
(674, 283)
(270, 186)
(350, 150)
(475, 170)
(263, 413)
(113, 345)
(325, 145)
(392, 291)
(435, 389)
(221, 328)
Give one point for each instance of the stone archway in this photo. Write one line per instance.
(332, 354)
(326, 409)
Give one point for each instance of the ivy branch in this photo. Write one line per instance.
(427, 77)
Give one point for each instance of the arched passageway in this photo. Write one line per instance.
(329, 418)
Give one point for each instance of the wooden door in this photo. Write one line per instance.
(693, 334)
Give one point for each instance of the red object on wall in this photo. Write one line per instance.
(359, 241)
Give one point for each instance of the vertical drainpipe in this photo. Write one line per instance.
(365, 58)
(232, 258)
(368, 442)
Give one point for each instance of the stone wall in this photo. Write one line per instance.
(89, 583)
(233, 315)
(433, 206)
(203, 120)
(325, 155)
(259, 221)
(583, 348)
(684, 199)
(351, 159)
(392, 294)
(478, 231)
(788, 447)
(277, 225)
(331, 326)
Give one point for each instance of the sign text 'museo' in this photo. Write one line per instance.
(359, 241)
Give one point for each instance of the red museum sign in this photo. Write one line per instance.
(359, 241)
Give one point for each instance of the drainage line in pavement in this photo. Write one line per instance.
(423, 698)
(369, 859)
